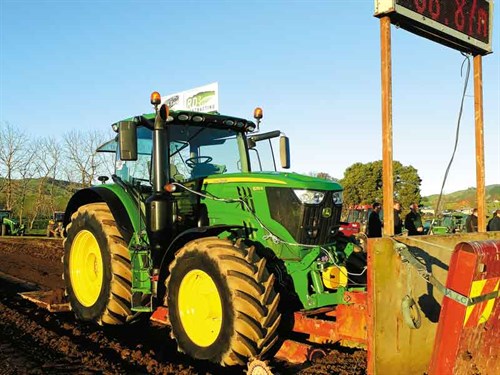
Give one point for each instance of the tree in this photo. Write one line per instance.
(47, 159)
(26, 172)
(363, 183)
(13, 154)
(323, 175)
(83, 162)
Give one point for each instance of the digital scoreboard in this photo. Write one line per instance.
(465, 25)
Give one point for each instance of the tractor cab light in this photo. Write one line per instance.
(155, 98)
(250, 127)
(257, 113)
(170, 188)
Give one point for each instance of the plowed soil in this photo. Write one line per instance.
(34, 341)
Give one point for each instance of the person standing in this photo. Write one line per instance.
(398, 223)
(471, 222)
(494, 223)
(413, 221)
(374, 222)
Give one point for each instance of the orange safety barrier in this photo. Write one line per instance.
(468, 334)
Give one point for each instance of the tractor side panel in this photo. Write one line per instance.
(394, 347)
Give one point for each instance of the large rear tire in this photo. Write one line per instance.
(97, 269)
(222, 303)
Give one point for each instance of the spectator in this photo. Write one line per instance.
(494, 223)
(374, 222)
(413, 221)
(471, 222)
(398, 223)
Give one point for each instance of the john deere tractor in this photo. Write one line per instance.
(198, 222)
(9, 226)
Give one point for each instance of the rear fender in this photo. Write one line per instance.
(99, 194)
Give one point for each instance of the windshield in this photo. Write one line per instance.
(59, 216)
(199, 152)
(195, 152)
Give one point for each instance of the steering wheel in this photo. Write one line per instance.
(191, 162)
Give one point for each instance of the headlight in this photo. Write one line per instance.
(310, 196)
(337, 197)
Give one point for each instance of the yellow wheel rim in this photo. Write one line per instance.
(200, 308)
(85, 268)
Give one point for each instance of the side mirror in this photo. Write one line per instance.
(128, 140)
(285, 152)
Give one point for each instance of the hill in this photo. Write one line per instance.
(466, 199)
(39, 196)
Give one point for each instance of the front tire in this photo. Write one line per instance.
(97, 269)
(222, 303)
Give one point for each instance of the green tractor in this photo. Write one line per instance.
(10, 227)
(448, 223)
(195, 224)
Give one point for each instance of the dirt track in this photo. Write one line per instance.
(33, 341)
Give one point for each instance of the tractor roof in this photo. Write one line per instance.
(210, 120)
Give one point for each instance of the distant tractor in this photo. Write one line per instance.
(10, 226)
(196, 227)
(448, 223)
(55, 227)
(356, 220)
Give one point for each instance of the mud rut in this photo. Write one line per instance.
(34, 341)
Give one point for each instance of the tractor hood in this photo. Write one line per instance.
(276, 179)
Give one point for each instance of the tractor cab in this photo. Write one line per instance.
(5, 214)
(58, 216)
(200, 145)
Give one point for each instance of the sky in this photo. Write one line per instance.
(313, 66)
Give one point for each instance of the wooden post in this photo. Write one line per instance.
(387, 172)
(479, 126)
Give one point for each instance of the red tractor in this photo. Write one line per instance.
(55, 227)
(356, 220)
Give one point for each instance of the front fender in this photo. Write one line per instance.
(182, 239)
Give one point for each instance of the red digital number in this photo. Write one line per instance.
(459, 15)
(434, 9)
(472, 13)
(482, 22)
(421, 5)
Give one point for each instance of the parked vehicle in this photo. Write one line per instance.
(10, 226)
(55, 227)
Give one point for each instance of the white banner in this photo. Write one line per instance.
(200, 99)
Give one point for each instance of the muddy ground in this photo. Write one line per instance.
(34, 341)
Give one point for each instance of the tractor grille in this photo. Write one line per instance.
(309, 224)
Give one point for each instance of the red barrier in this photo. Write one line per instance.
(468, 334)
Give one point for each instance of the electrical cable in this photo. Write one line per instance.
(270, 234)
(467, 59)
